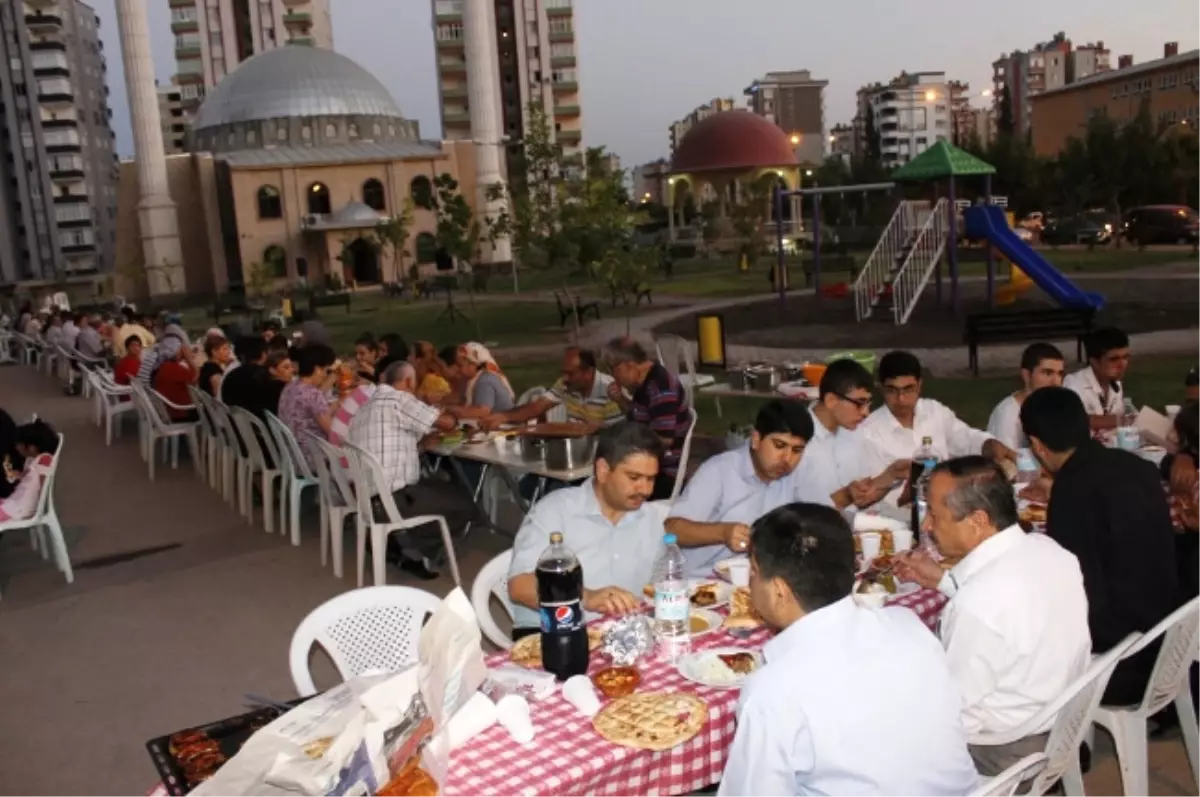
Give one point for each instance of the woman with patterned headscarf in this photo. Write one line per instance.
(487, 386)
(152, 357)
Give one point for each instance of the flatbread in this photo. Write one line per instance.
(741, 610)
(652, 720)
(527, 651)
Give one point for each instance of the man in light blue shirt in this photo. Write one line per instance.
(851, 700)
(606, 522)
(729, 492)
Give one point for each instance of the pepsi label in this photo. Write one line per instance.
(561, 618)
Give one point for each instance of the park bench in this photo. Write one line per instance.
(238, 308)
(329, 300)
(621, 295)
(394, 289)
(566, 309)
(1027, 325)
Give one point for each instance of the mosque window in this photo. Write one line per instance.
(318, 199)
(372, 195)
(426, 248)
(422, 192)
(269, 204)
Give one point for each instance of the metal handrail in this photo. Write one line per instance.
(876, 272)
(912, 277)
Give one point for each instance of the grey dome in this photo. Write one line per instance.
(355, 212)
(295, 81)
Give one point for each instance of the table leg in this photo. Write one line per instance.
(717, 401)
(476, 496)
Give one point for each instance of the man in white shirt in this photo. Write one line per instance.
(1016, 626)
(607, 524)
(712, 517)
(851, 700)
(582, 391)
(1041, 366)
(895, 430)
(70, 331)
(1099, 384)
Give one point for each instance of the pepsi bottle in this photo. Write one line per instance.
(560, 603)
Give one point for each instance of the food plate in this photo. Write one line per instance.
(721, 568)
(704, 621)
(706, 593)
(707, 668)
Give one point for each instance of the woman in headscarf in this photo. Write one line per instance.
(487, 389)
(151, 357)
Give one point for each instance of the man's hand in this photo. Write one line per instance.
(998, 452)
(918, 567)
(898, 470)
(610, 600)
(491, 422)
(737, 537)
(616, 394)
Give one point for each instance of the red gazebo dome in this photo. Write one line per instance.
(733, 141)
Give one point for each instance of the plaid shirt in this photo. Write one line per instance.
(661, 403)
(391, 426)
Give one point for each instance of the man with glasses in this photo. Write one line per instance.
(582, 391)
(895, 431)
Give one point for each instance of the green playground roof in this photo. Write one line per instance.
(942, 160)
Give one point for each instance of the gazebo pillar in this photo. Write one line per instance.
(991, 261)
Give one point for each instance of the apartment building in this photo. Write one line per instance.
(680, 127)
(57, 161)
(170, 112)
(910, 113)
(213, 36)
(650, 181)
(1048, 66)
(795, 101)
(538, 62)
(1169, 85)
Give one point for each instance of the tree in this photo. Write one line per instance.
(455, 220)
(1005, 123)
(391, 235)
(710, 224)
(748, 216)
(259, 280)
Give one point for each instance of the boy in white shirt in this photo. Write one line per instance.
(1041, 366)
(1099, 384)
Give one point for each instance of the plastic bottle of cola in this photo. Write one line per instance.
(560, 602)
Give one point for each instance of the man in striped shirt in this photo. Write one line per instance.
(652, 395)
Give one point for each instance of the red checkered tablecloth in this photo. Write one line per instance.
(927, 603)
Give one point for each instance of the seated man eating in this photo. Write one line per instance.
(712, 518)
(582, 391)
(604, 521)
(851, 700)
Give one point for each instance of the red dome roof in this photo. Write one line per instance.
(734, 140)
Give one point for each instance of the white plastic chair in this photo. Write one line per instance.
(1007, 782)
(158, 425)
(1168, 682)
(113, 402)
(337, 502)
(297, 475)
(264, 458)
(232, 455)
(672, 350)
(44, 526)
(364, 630)
(684, 455)
(209, 436)
(370, 482)
(1071, 714)
(493, 581)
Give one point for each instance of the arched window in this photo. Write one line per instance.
(269, 205)
(422, 192)
(318, 199)
(275, 260)
(372, 192)
(426, 248)
(330, 131)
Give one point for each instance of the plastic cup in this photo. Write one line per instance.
(1172, 411)
(870, 546)
(902, 540)
(513, 713)
(580, 693)
(739, 572)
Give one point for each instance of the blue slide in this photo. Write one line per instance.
(988, 222)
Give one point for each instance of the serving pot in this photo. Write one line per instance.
(557, 446)
(763, 378)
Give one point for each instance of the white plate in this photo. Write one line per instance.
(724, 592)
(713, 619)
(690, 667)
(906, 588)
(721, 568)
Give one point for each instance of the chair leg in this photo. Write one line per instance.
(361, 546)
(174, 443)
(152, 450)
(56, 540)
(448, 541)
(268, 502)
(379, 555)
(1072, 778)
(294, 516)
(1187, 725)
(324, 512)
(1129, 737)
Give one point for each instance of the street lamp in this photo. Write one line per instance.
(795, 139)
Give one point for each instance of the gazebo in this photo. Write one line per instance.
(944, 161)
(725, 152)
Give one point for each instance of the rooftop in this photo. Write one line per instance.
(358, 152)
(1123, 74)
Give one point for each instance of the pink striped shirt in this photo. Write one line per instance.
(339, 427)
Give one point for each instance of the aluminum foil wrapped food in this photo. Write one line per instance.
(628, 639)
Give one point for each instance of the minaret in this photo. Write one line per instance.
(483, 91)
(159, 224)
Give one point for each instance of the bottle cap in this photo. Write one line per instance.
(670, 539)
(556, 538)
(926, 441)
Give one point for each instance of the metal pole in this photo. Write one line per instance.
(991, 261)
(780, 282)
(952, 243)
(817, 246)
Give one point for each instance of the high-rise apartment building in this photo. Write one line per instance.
(538, 62)
(1048, 66)
(909, 115)
(795, 101)
(680, 127)
(213, 36)
(58, 193)
(170, 113)
(841, 141)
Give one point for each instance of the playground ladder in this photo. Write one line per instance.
(923, 257)
(874, 282)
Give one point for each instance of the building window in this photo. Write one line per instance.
(275, 260)
(352, 131)
(426, 248)
(269, 204)
(421, 191)
(372, 194)
(282, 133)
(318, 199)
(251, 137)
(330, 131)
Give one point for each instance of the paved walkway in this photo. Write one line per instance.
(150, 638)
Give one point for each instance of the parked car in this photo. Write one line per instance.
(1161, 224)
(1033, 221)
(1081, 228)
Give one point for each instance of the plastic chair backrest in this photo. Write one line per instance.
(259, 443)
(204, 409)
(44, 497)
(330, 467)
(372, 628)
(684, 455)
(492, 581)
(369, 475)
(286, 441)
(532, 394)
(672, 350)
(1179, 631)
(226, 428)
(1006, 782)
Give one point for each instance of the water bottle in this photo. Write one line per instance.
(672, 607)
(560, 604)
(1128, 436)
(923, 463)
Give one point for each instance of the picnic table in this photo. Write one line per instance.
(722, 390)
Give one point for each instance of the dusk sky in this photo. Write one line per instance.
(645, 63)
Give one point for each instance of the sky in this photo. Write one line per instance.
(645, 63)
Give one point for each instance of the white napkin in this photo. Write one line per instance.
(872, 521)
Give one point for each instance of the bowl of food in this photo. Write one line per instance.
(616, 682)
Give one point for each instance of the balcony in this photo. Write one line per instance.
(559, 11)
(565, 86)
(181, 3)
(295, 2)
(56, 98)
(66, 174)
(450, 44)
(78, 249)
(562, 36)
(297, 18)
(75, 224)
(185, 26)
(42, 3)
(452, 66)
(189, 51)
(47, 70)
(566, 111)
(562, 60)
(60, 124)
(188, 78)
(303, 41)
(456, 117)
(43, 23)
(48, 45)
(569, 136)
(456, 93)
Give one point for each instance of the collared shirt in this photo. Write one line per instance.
(1005, 424)
(595, 407)
(661, 403)
(1096, 400)
(884, 440)
(390, 426)
(1016, 631)
(830, 462)
(812, 721)
(611, 556)
(70, 333)
(727, 489)
(300, 405)
(53, 335)
(89, 342)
